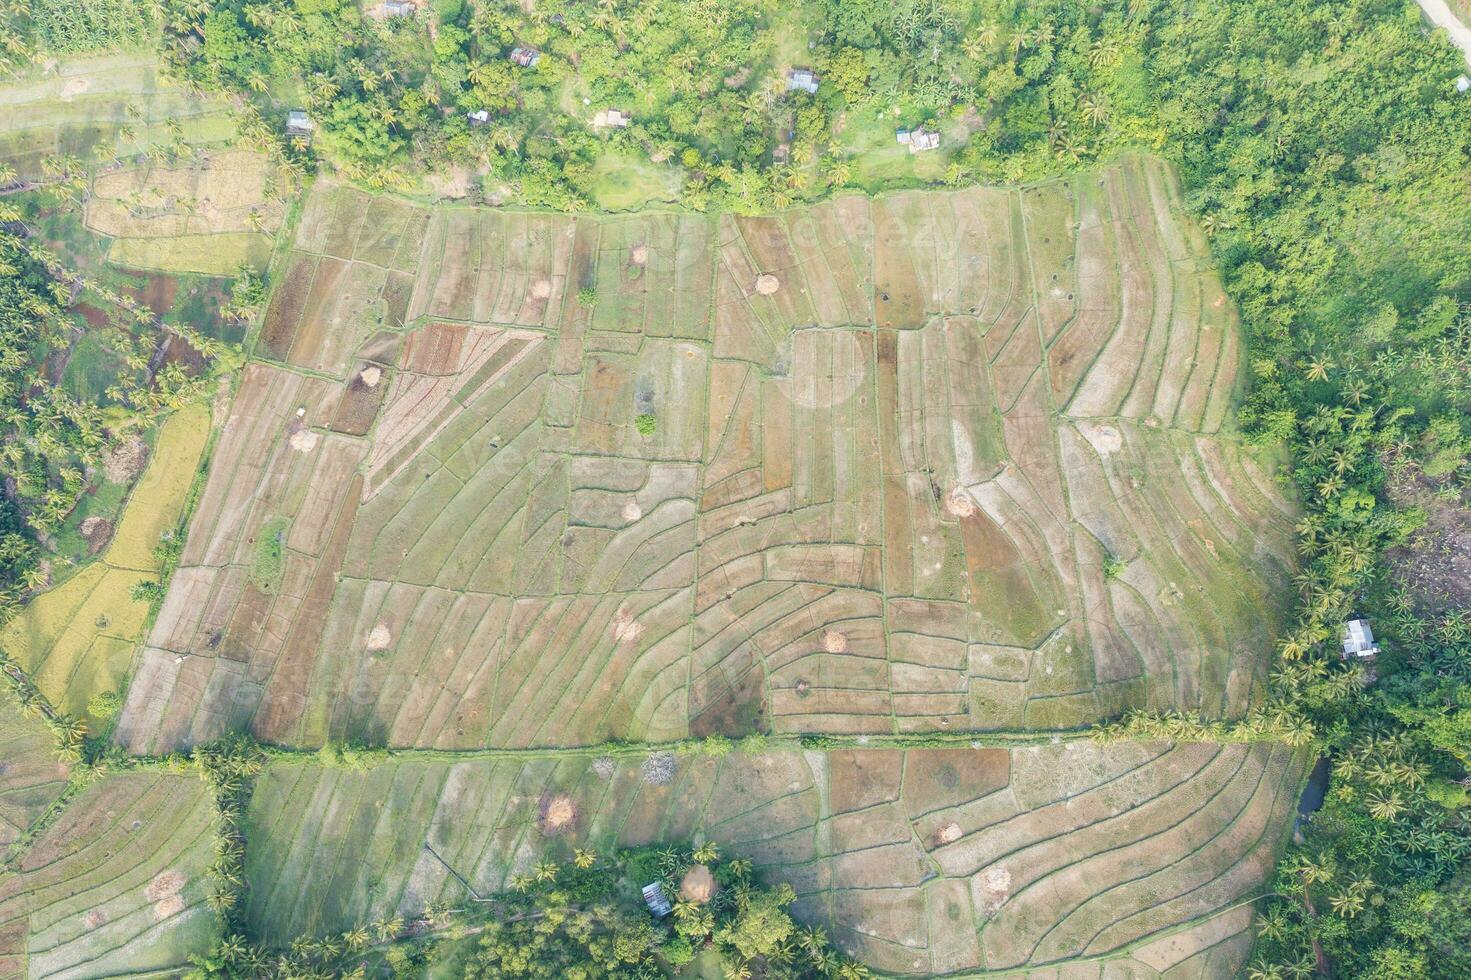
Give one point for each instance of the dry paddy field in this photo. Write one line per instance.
(518, 484)
(933, 461)
(928, 861)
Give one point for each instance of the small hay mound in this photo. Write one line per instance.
(96, 531)
(163, 891)
(698, 885)
(164, 884)
(126, 460)
(639, 254)
(959, 504)
(541, 289)
(371, 375)
(767, 284)
(632, 511)
(658, 769)
(304, 440)
(625, 630)
(603, 767)
(995, 887)
(834, 642)
(556, 815)
(379, 638)
(949, 833)
(1108, 440)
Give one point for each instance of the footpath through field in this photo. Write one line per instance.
(1441, 16)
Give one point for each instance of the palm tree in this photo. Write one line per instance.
(1318, 369)
(1095, 110)
(1385, 806)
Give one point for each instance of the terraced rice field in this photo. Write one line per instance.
(116, 886)
(926, 861)
(514, 485)
(932, 461)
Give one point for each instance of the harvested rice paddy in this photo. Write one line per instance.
(927, 462)
(497, 488)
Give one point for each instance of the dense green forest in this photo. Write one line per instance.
(1322, 145)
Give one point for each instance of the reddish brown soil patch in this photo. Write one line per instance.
(157, 293)
(948, 833)
(177, 350)
(95, 316)
(126, 460)
(435, 349)
(1434, 564)
(97, 532)
(556, 814)
(698, 885)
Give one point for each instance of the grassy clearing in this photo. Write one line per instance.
(623, 182)
(77, 640)
(267, 563)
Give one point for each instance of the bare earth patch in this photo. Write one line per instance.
(74, 87)
(126, 460)
(698, 885)
(304, 440)
(1434, 564)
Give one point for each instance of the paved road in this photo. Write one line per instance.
(1440, 15)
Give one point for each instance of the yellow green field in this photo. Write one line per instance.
(210, 255)
(77, 640)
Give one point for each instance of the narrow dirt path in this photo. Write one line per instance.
(1441, 16)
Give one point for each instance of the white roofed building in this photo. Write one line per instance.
(1358, 640)
(802, 79)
